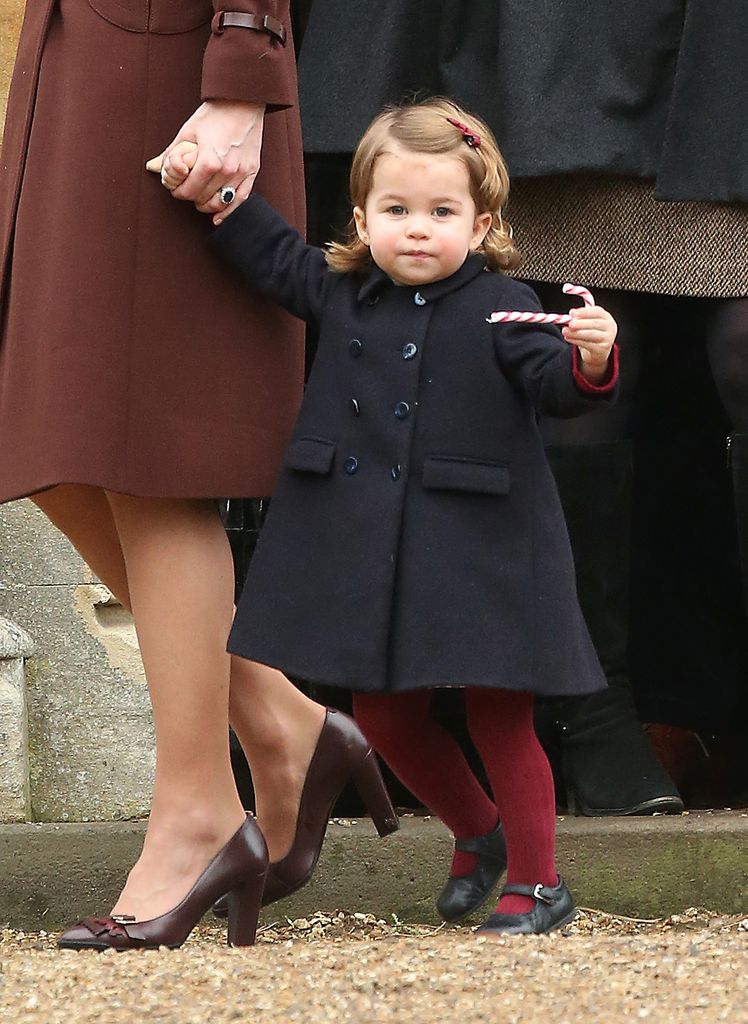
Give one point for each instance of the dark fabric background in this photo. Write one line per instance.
(649, 88)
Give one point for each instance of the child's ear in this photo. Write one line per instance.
(359, 218)
(480, 229)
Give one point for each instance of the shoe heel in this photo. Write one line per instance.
(371, 788)
(244, 910)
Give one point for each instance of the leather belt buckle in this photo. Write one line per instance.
(239, 19)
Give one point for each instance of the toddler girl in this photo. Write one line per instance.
(415, 538)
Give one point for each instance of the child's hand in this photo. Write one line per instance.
(175, 165)
(593, 330)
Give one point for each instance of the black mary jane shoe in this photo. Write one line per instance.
(462, 896)
(553, 908)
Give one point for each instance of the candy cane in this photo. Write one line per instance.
(524, 317)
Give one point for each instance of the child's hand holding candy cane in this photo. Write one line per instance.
(591, 328)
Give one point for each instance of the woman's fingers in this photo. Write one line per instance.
(229, 139)
(243, 191)
(215, 158)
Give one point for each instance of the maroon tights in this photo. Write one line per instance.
(427, 759)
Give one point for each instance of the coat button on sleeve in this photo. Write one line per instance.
(355, 347)
(350, 465)
(410, 350)
(402, 410)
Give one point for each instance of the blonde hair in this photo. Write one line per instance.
(424, 127)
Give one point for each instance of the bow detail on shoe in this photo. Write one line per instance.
(118, 927)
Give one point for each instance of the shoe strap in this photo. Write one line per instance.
(484, 846)
(539, 892)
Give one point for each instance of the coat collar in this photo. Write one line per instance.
(376, 281)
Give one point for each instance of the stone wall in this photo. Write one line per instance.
(89, 725)
(15, 797)
(11, 15)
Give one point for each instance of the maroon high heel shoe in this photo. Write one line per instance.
(239, 870)
(342, 753)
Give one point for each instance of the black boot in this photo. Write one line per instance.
(608, 764)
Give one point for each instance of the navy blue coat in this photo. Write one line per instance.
(415, 537)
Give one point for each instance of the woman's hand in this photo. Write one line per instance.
(228, 136)
(593, 330)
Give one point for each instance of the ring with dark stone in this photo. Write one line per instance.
(227, 194)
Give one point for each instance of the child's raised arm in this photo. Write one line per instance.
(593, 330)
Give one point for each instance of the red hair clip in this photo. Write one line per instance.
(472, 139)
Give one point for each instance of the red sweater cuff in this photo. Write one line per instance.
(587, 386)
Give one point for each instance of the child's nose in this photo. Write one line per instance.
(418, 226)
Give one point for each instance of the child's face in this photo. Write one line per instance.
(420, 220)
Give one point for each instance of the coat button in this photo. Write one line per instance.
(402, 410)
(354, 407)
(355, 347)
(350, 465)
(419, 299)
(396, 471)
(410, 350)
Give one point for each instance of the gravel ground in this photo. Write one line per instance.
(336, 968)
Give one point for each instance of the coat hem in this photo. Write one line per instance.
(135, 492)
(304, 676)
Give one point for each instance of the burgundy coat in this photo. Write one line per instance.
(415, 537)
(129, 358)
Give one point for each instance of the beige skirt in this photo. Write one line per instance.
(611, 232)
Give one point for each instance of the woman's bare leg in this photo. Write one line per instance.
(181, 589)
(83, 514)
(277, 725)
(278, 728)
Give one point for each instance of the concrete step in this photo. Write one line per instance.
(642, 867)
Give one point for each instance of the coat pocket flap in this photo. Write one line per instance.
(452, 473)
(311, 455)
(168, 17)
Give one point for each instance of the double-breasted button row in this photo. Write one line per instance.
(356, 348)
(350, 466)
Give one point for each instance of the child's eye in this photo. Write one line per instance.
(442, 211)
(397, 211)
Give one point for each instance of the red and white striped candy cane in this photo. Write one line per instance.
(504, 316)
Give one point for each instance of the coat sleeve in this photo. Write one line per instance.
(247, 64)
(543, 366)
(274, 258)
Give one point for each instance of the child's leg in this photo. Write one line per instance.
(429, 761)
(501, 726)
